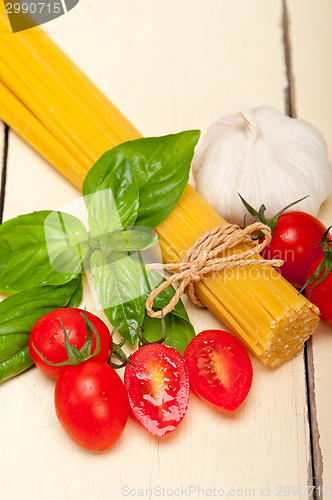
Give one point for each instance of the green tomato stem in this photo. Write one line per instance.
(76, 356)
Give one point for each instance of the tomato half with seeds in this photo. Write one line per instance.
(158, 387)
(91, 404)
(220, 369)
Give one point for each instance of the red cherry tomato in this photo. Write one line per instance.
(158, 387)
(91, 404)
(321, 294)
(294, 241)
(48, 337)
(220, 369)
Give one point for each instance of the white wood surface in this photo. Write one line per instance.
(170, 66)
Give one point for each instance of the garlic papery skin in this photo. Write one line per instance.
(267, 157)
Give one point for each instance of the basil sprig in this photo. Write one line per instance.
(128, 192)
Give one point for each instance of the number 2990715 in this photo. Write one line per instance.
(34, 7)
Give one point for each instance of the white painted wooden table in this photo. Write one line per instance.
(169, 66)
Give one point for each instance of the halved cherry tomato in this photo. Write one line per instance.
(91, 404)
(157, 384)
(220, 369)
(48, 337)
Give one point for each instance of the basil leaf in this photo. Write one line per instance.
(119, 283)
(131, 240)
(10, 345)
(24, 255)
(179, 332)
(67, 242)
(161, 167)
(16, 363)
(115, 203)
(18, 314)
(77, 296)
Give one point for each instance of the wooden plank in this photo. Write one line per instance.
(315, 450)
(168, 66)
(311, 40)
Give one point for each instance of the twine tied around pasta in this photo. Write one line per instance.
(205, 255)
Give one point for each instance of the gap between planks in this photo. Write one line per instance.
(316, 466)
(4, 156)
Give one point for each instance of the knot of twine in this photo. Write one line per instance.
(204, 256)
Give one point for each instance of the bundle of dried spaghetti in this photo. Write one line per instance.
(46, 99)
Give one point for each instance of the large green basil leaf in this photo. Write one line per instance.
(24, 252)
(18, 314)
(119, 283)
(115, 203)
(161, 167)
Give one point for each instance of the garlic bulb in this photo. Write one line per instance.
(265, 156)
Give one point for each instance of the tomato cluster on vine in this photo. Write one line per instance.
(304, 244)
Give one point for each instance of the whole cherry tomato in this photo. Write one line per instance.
(220, 369)
(91, 404)
(157, 383)
(47, 336)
